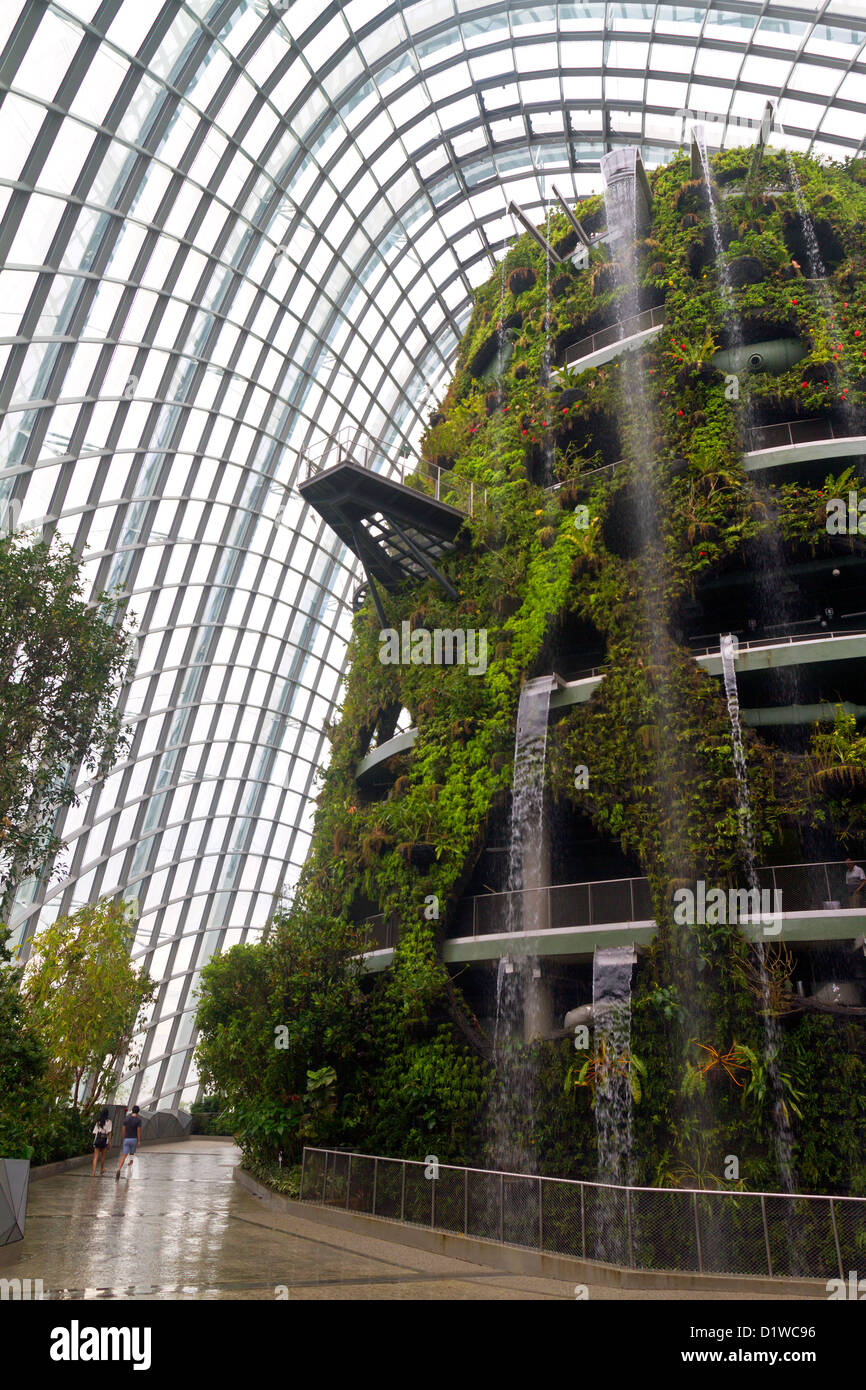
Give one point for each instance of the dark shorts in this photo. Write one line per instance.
(130, 1146)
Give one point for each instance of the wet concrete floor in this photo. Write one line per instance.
(178, 1227)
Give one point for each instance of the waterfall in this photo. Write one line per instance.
(611, 1012)
(546, 361)
(817, 271)
(727, 648)
(725, 287)
(521, 1001)
(772, 1031)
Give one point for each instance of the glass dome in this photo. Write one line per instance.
(231, 229)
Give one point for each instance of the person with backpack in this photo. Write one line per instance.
(131, 1126)
(101, 1141)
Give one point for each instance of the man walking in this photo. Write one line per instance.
(131, 1126)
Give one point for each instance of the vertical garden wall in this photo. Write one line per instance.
(396, 1062)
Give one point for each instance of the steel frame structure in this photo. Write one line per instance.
(229, 228)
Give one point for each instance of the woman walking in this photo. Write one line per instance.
(101, 1141)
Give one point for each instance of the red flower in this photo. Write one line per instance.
(856, 332)
(793, 301)
(804, 384)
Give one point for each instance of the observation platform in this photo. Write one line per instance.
(579, 918)
(398, 526)
(608, 343)
(800, 441)
(760, 655)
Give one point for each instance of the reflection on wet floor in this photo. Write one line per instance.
(178, 1227)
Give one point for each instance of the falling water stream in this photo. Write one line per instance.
(772, 1031)
(517, 988)
(726, 289)
(817, 272)
(611, 1014)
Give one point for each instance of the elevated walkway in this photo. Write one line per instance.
(398, 524)
(760, 655)
(580, 918)
(608, 343)
(800, 441)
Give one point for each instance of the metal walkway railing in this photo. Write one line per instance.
(607, 337)
(796, 888)
(647, 1228)
(355, 446)
(791, 432)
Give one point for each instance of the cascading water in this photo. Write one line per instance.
(726, 289)
(611, 1013)
(727, 648)
(772, 1032)
(817, 271)
(520, 996)
(546, 361)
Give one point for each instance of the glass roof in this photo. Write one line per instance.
(231, 228)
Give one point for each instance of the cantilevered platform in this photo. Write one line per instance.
(757, 656)
(398, 532)
(800, 441)
(581, 942)
(606, 344)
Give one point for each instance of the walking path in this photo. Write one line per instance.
(180, 1228)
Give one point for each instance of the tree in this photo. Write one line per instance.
(85, 996)
(281, 1033)
(61, 663)
(22, 1063)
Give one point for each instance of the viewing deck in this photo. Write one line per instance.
(800, 441)
(578, 918)
(762, 654)
(399, 522)
(608, 343)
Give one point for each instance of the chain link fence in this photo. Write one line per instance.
(649, 1228)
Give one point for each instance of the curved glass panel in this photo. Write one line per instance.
(230, 228)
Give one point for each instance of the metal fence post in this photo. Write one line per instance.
(540, 1216)
(766, 1236)
(303, 1169)
(582, 1223)
(432, 1203)
(325, 1178)
(698, 1233)
(403, 1190)
(836, 1238)
(629, 1227)
(348, 1181)
(502, 1207)
(375, 1181)
(465, 1201)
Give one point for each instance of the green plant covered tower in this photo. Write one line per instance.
(749, 342)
